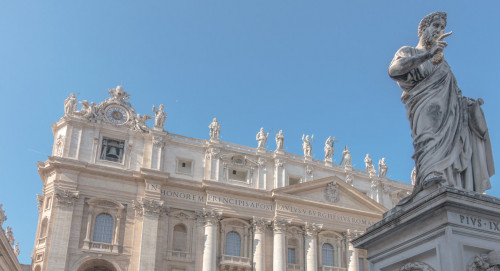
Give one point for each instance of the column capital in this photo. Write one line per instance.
(352, 234)
(280, 225)
(210, 217)
(66, 197)
(312, 229)
(149, 207)
(260, 224)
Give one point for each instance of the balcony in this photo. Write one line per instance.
(100, 247)
(230, 263)
(177, 255)
(292, 266)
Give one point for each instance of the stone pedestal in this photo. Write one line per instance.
(445, 229)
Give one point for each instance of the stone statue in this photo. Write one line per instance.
(140, 122)
(10, 236)
(346, 157)
(88, 111)
(16, 249)
(449, 131)
(382, 168)
(280, 139)
(306, 146)
(70, 104)
(329, 149)
(369, 165)
(160, 117)
(214, 129)
(261, 137)
(3, 217)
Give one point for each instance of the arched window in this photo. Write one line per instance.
(233, 244)
(180, 238)
(43, 228)
(327, 254)
(103, 228)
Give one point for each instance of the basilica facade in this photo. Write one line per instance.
(121, 196)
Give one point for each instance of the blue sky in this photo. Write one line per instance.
(307, 67)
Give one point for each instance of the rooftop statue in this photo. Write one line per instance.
(306, 146)
(261, 137)
(346, 157)
(160, 117)
(214, 129)
(280, 140)
(70, 104)
(450, 136)
(382, 168)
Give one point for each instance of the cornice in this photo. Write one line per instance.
(212, 186)
(311, 203)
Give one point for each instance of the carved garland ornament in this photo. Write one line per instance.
(66, 197)
(416, 266)
(280, 225)
(149, 207)
(312, 229)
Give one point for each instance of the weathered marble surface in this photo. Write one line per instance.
(449, 130)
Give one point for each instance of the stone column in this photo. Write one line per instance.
(60, 234)
(352, 253)
(210, 240)
(279, 256)
(311, 245)
(259, 229)
(150, 211)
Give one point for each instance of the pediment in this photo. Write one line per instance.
(332, 191)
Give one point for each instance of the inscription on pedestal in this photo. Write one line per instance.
(479, 222)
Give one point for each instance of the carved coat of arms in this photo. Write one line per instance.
(332, 192)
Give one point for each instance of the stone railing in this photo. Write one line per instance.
(332, 268)
(228, 262)
(292, 266)
(175, 254)
(98, 246)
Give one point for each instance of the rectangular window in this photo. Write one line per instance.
(238, 174)
(184, 166)
(291, 255)
(112, 150)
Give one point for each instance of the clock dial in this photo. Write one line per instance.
(116, 115)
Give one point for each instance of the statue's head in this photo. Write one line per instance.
(307, 137)
(262, 129)
(161, 106)
(281, 132)
(215, 120)
(428, 20)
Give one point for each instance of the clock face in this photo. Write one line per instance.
(116, 115)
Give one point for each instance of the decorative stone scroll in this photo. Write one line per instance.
(212, 153)
(416, 266)
(66, 197)
(332, 192)
(280, 225)
(149, 207)
(158, 141)
(260, 224)
(279, 163)
(40, 199)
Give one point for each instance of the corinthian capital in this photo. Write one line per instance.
(149, 207)
(66, 197)
(260, 224)
(210, 217)
(280, 225)
(352, 234)
(312, 229)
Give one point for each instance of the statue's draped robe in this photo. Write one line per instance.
(445, 147)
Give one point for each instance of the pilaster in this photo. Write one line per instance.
(60, 234)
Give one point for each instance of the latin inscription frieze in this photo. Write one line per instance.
(479, 222)
(324, 215)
